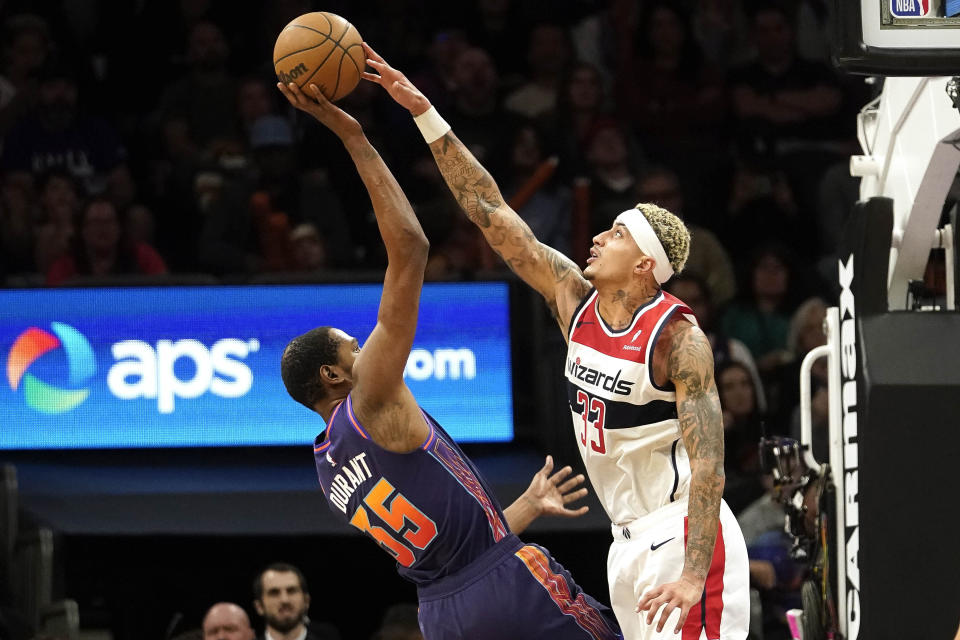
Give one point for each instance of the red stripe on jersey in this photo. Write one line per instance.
(630, 343)
(714, 590)
(707, 614)
(694, 624)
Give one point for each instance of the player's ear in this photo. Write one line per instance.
(306, 601)
(258, 606)
(644, 264)
(329, 374)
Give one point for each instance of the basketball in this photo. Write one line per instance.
(323, 49)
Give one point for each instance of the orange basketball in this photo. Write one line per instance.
(320, 48)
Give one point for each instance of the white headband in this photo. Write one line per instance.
(638, 226)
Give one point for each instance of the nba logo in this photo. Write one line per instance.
(909, 8)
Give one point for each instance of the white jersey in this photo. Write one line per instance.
(626, 425)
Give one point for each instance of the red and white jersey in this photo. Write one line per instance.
(626, 425)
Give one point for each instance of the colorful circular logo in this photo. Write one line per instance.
(33, 343)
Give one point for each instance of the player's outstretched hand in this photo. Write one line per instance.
(332, 116)
(552, 493)
(682, 594)
(395, 83)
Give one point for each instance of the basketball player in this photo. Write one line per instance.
(390, 470)
(640, 384)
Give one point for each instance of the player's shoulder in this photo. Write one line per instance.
(684, 347)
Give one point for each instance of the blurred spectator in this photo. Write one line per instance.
(249, 215)
(476, 115)
(762, 209)
(139, 224)
(673, 99)
(760, 318)
(281, 597)
(612, 173)
(18, 219)
(548, 55)
(806, 333)
(742, 429)
(59, 205)
(788, 109)
(309, 253)
(26, 47)
(494, 26)
(255, 99)
(708, 259)
(436, 79)
(540, 200)
(226, 621)
(693, 290)
(59, 135)
(199, 110)
(782, 100)
(399, 623)
(721, 29)
(100, 248)
(813, 29)
(581, 104)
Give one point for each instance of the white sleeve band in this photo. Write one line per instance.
(431, 125)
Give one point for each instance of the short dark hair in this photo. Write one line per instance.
(279, 567)
(301, 362)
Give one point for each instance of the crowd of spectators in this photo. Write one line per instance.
(148, 138)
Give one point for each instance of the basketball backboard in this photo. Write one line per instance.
(897, 37)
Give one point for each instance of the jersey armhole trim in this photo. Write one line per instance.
(430, 436)
(579, 310)
(652, 345)
(325, 443)
(353, 419)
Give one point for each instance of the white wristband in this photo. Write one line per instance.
(431, 125)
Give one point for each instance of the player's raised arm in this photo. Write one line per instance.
(378, 370)
(548, 271)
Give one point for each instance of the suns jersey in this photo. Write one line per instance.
(429, 509)
(626, 425)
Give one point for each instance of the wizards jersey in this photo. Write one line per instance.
(430, 509)
(626, 425)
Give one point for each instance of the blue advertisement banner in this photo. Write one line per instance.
(200, 366)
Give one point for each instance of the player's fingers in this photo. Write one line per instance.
(372, 77)
(574, 513)
(547, 466)
(286, 93)
(372, 54)
(558, 477)
(297, 93)
(571, 483)
(318, 95)
(648, 597)
(654, 607)
(684, 612)
(574, 496)
(668, 608)
(379, 66)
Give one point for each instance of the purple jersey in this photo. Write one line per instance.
(430, 509)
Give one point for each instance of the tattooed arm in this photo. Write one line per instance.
(552, 274)
(690, 368)
(547, 270)
(683, 355)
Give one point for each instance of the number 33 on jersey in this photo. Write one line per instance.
(625, 423)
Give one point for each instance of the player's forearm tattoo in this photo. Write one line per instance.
(690, 364)
(478, 196)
